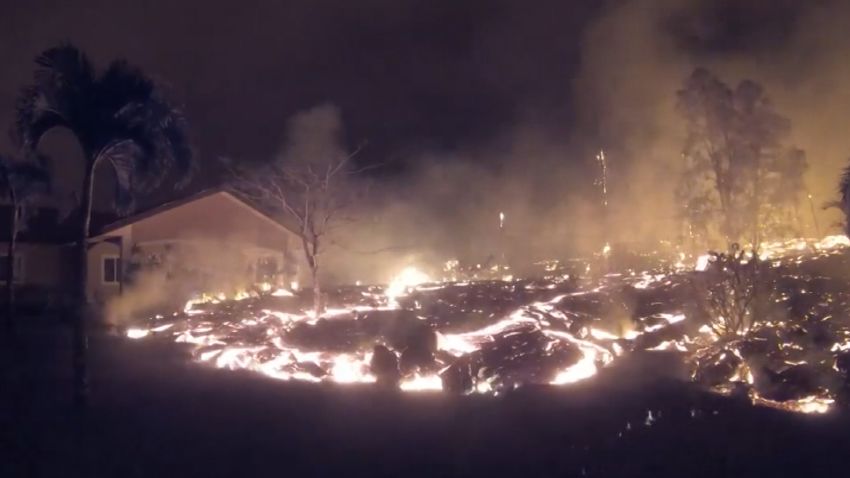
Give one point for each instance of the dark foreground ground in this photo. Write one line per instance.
(153, 414)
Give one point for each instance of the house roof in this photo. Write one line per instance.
(111, 226)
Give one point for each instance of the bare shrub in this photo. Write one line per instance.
(733, 291)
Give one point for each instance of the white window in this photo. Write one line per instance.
(110, 269)
(19, 267)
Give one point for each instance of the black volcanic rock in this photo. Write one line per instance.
(384, 365)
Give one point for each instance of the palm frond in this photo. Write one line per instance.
(120, 117)
(65, 76)
(34, 117)
(27, 179)
(122, 86)
(30, 181)
(66, 65)
(59, 96)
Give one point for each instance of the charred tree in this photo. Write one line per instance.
(310, 185)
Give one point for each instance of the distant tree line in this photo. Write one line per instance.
(741, 181)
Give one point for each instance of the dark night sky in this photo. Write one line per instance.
(478, 105)
(407, 75)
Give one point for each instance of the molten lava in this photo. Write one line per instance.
(483, 336)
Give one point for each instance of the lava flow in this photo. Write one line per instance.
(489, 336)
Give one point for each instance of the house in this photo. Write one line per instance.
(42, 257)
(206, 242)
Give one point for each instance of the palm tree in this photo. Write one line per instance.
(119, 117)
(22, 182)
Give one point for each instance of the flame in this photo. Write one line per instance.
(811, 404)
(585, 368)
(408, 278)
(135, 333)
(419, 383)
(351, 369)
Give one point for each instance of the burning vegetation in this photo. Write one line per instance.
(771, 327)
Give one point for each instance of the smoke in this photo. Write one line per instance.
(313, 135)
(162, 277)
(448, 207)
(148, 292)
(635, 54)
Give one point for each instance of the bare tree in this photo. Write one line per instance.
(310, 185)
(733, 294)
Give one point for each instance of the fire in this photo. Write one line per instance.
(585, 368)
(702, 262)
(812, 404)
(351, 369)
(408, 278)
(420, 383)
(136, 333)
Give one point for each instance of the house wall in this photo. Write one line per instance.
(97, 291)
(44, 265)
(211, 245)
(225, 228)
(216, 217)
(213, 265)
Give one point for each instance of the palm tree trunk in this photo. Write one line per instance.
(80, 332)
(10, 270)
